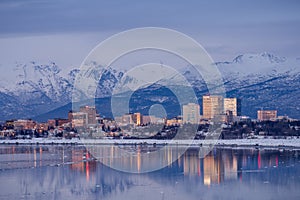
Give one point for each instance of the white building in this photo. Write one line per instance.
(191, 113)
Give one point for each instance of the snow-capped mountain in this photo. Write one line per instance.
(263, 81)
(257, 64)
(260, 80)
(32, 89)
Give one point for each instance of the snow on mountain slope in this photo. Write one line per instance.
(263, 64)
(36, 88)
(34, 81)
(260, 80)
(263, 81)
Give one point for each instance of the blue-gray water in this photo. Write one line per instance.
(69, 172)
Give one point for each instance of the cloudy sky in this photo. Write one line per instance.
(64, 31)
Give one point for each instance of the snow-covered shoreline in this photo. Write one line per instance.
(236, 142)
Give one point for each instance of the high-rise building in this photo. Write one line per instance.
(234, 105)
(91, 113)
(212, 106)
(263, 115)
(137, 118)
(191, 113)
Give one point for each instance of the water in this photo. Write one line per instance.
(70, 172)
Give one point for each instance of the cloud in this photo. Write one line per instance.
(67, 16)
(235, 26)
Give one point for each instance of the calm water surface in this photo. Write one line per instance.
(70, 172)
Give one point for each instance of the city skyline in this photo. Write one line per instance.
(41, 39)
(213, 106)
(149, 99)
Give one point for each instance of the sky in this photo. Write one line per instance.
(65, 31)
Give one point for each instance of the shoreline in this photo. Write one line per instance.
(275, 143)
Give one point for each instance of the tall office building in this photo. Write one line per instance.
(212, 106)
(263, 115)
(91, 113)
(234, 105)
(137, 118)
(191, 113)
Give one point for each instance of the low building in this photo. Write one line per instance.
(175, 121)
(127, 119)
(241, 118)
(24, 124)
(263, 115)
(42, 126)
(57, 122)
(130, 118)
(151, 119)
(80, 119)
(229, 116)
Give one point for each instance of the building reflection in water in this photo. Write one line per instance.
(228, 164)
(82, 161)
(218, 166)
(136, 158)
(214, 168)
(71, 171)
(191, 163)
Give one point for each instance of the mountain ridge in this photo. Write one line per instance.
(261, 80)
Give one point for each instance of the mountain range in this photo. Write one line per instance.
(42, 91)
